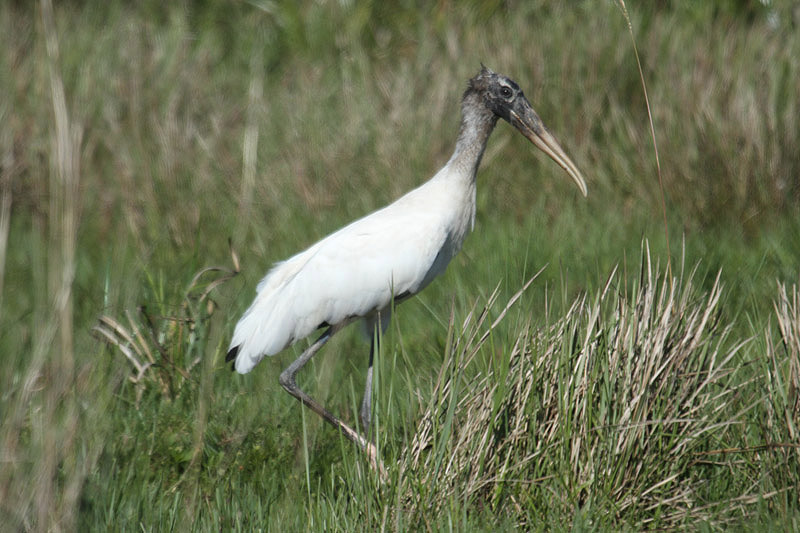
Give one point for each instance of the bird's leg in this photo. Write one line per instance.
(366, 402)
(287, 380)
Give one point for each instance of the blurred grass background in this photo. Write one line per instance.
(137, 140)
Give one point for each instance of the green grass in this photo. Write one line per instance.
(146, 143)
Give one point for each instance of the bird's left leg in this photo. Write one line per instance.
(287, 380)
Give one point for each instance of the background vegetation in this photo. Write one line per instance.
(648, 377)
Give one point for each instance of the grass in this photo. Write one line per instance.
(150, 152)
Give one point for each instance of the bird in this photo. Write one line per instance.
(366, 268)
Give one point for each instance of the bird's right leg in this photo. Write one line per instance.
(366, 402)
(287, 380)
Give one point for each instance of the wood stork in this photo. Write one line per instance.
(360, 271)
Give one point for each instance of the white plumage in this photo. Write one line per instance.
(387, 256)
(357, 271)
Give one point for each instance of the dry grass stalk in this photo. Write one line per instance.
(780, 426)
(787, 310)
(610, 400)
(148, 342)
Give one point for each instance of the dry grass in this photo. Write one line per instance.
(609, 407)
(778, 430)
(46, 402)
(152, 339)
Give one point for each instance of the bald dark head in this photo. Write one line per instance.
(502, 96)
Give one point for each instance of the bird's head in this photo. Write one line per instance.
(505, 99)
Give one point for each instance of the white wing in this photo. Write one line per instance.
(351, 273)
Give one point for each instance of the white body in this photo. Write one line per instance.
(389, 255)
(392, 253)
(358, 270)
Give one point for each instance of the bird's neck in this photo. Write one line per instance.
(477, 123)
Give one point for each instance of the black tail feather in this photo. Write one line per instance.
(231, 357)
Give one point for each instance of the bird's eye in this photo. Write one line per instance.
(505, 92)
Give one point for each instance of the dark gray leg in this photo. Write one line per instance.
(287, 380)
(366, 402)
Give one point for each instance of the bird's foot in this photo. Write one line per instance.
(375, 461)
